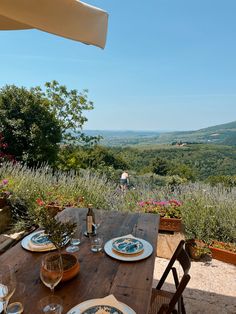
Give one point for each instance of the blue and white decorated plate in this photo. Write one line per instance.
(40, 239)
(102, 309)
(127, 245)
(107, 305)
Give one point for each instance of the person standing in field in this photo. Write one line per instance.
(124, 180)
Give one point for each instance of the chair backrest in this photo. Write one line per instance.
(182, 257)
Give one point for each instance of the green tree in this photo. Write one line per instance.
(97, 157)
(68, 107)
(182, 170)
(160, 166)
(30, 130)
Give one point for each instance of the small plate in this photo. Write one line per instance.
(127, 245)
(40, 238)
(27, 244)
(102, 309)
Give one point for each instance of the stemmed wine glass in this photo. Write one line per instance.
(7, 285)
(51, 270)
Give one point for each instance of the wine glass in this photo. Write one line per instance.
(51, 305)
(7, 285)
(51, 270)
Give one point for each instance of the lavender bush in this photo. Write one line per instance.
(208, 212)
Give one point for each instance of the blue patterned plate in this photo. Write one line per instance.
(40, 239)
(127, 245)
(102, 309)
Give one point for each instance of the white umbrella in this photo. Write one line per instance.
(67, 18)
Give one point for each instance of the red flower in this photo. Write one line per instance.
(40, 202)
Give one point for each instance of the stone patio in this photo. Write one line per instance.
(212, 287)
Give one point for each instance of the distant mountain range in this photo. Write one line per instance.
(224, 134)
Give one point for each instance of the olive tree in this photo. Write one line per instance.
(68, 107)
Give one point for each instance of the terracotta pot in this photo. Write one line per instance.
(170, 224)
(71, 266)
(3, 201)
(196, 248)
(222, 254)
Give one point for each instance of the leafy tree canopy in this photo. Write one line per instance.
(72, 157)
(68, 107)
(32, 133)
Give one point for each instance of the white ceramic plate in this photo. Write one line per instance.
(80, 308)
(25, 244)
(147, 251)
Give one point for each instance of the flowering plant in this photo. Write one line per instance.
(3, 188)
(165, 208)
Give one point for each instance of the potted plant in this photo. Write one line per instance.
(197, 230)
(59, 233)
(197, 249)
(169, 211)
(225, 252)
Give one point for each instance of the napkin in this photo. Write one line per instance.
(109, 300)
(40, 247)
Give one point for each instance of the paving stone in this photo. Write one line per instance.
(212, 287)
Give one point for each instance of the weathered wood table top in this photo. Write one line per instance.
(100, 275)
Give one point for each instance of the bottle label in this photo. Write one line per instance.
(89, 224)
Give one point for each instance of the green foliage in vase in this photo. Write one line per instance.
(57, 231)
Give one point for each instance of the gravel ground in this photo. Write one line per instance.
(212, 287)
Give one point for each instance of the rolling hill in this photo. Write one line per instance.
(224, 134)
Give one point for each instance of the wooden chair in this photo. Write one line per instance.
(167, 302)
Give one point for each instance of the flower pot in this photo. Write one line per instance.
(170, 224)
(71, 266)
(53, 209)
(196, 249)
(221, 253)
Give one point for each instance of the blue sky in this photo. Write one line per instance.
(167, 65)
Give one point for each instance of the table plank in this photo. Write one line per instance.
(100, 275)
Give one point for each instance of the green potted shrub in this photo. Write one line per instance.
(59, 234)
(169, 211)
(197, 229)
(222, 244)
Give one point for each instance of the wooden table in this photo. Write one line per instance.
(100, 275)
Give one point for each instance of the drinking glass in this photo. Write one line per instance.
(97, 222)
(96, 244)
(75, 239)
(7, 285)
(51, 270)
(17, 307)
(50, 305)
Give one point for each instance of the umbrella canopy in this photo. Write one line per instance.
(67, 18)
